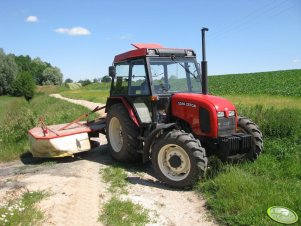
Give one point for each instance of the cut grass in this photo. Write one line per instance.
(123, 213)
(23, 211)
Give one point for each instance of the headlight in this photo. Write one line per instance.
(220, 114)
(189, 53)
(231, 113)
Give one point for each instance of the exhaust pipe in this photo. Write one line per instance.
(204, 64)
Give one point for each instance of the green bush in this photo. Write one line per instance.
(24, 85)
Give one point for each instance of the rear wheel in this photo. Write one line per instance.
(245, 125)
(121, 134)
(178, 158)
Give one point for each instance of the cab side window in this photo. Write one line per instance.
(121, 80)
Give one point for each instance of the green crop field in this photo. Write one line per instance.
(283, 83)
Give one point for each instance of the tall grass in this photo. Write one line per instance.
(17, 116)
(241, 194)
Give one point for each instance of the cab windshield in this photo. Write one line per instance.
(175, 75)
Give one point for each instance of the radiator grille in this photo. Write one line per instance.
(226, 126)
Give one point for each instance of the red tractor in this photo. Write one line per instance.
(159, 109)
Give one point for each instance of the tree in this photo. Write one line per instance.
(8, 72)
(68, 80)
(85, 82)
(37, 68)
(106, 79)
(24, 85)
(52, 76)
(95, 80)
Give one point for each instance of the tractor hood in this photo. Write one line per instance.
(200, 111)
(199, 100)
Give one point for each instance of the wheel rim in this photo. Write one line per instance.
(168, 161)
(115, 134)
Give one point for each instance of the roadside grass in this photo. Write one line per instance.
(17, 116)
(116, 176)
(23, 211)
(241, 194)
(123, 213)
(119, 212)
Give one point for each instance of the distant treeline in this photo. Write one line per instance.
(20, 74)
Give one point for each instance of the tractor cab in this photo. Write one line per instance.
(149, 71)
(150, 74)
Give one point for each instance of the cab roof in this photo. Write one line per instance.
(150, 49)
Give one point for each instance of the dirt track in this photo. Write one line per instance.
(77, 191)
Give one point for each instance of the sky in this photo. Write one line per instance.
(82, 37)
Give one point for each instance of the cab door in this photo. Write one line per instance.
(139, 90)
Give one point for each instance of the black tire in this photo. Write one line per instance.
(245, 125)
(179, 153)
(126, 149)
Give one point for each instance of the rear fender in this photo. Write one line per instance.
(114, 100)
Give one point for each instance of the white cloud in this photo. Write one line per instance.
(296, 60)
(75, 31)
(32, 19)
(126, 37)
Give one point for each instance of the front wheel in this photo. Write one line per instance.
(245, 125)
(178, 158)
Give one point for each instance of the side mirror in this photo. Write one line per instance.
(112, 71)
